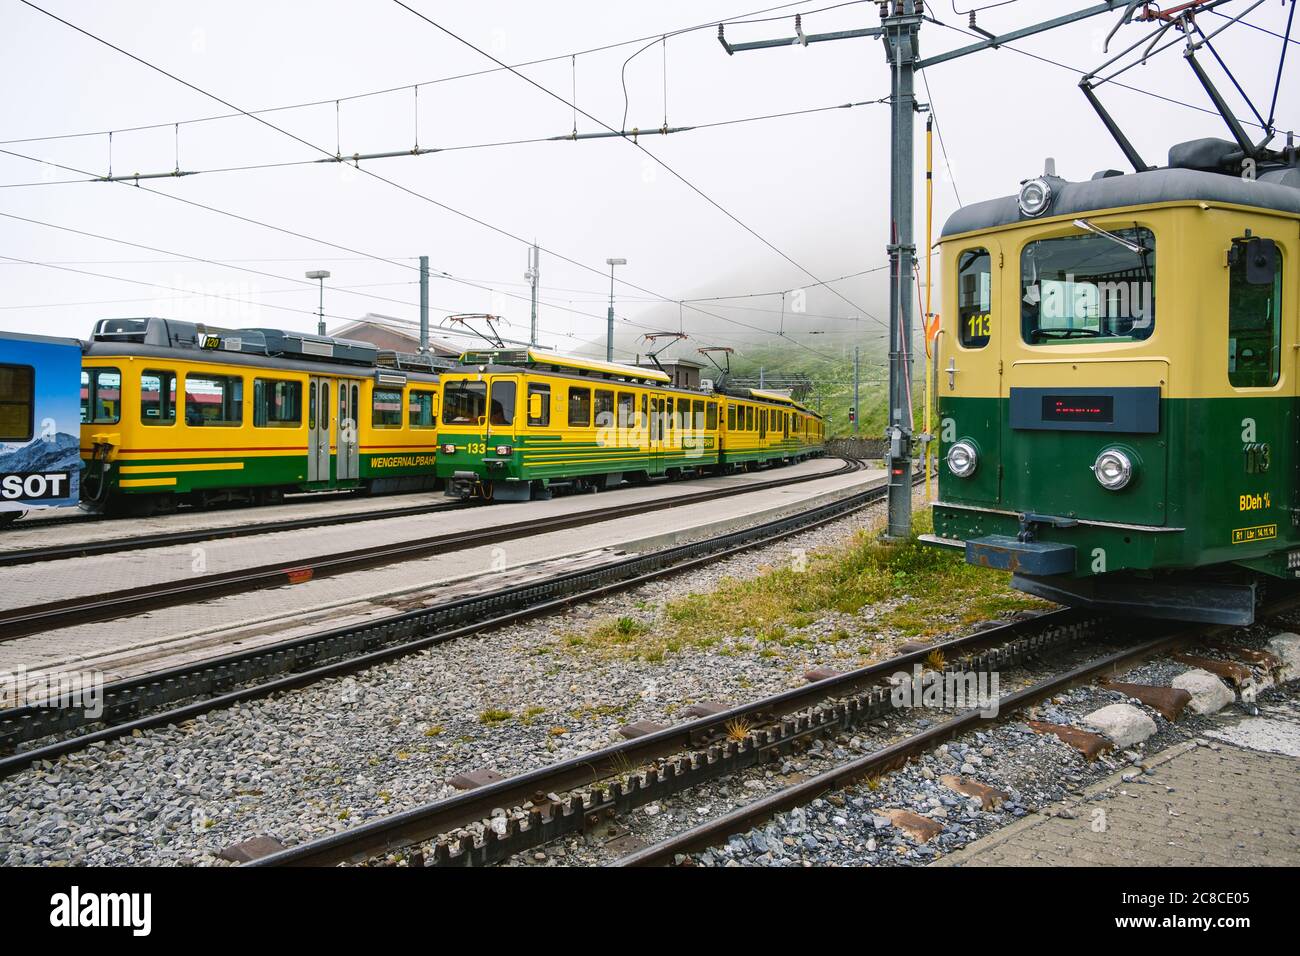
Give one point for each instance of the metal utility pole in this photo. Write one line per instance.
(609, 339)
(533, 276)
(900, 36)
(900, 23)
(321, 275)
(856, 383)
(424, 304)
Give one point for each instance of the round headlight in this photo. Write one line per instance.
(962, 459)
(1035, 197)
(1113, 469)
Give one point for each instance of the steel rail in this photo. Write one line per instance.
(19, 622)
(712, 832)
(133, 703)
(442, 817)
(162, 539)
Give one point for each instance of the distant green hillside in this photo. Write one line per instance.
(833, 382)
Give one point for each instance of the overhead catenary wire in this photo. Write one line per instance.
(736, 19)
(707, 198)
(416, 193)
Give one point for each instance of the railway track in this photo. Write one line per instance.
(22, 621)
(164, 539)
(181, 693)
(470, 829)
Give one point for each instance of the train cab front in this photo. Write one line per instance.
(1095, 401)
(478, 454)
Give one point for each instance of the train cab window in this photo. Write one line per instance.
(503, 401)
(974, 298)
(214, 400)
(579, 407)
(464, 402)
(539, 401)
(1097, 285)
(17, 402)
(385, 408)
(604, 408)
(421, 410)
(1254, 314)
(626, 409)
(711, 416)
(101, 396)
(157, 397)
(277, 403)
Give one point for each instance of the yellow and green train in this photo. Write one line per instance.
(1117, 385)
(518, 423)
(171, 412)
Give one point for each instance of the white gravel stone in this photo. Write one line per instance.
(1209, 694)
(1122, 723)
(1287, 647)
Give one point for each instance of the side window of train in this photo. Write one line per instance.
(604, 408)
(539, 405)
(749, 418)
(711, 417)
(422, 412)
(386, 408)
(731, 418)
(697, 412)
(1254, 313)
(18, 402)
(579, 407)
(101, 396)
(626, 410)
(157, 397)
(669, 415)
(277, 403)
(214, 400)
(974, 298)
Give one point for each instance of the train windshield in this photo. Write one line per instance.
(1099, 285)
(464, 403)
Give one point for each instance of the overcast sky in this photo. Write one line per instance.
(815, 186)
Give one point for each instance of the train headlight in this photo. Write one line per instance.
(1113, 468)
(504, 450)
(963, 459)
(449, 449)
(1035, 197)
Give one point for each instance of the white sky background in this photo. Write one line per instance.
(815, 186)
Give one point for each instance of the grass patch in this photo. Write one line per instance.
(494, 715)
(933, 589)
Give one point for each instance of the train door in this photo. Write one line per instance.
(318, 429)
(348, 463)
(656, 432)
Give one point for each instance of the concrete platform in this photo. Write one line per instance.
(130, 646)
(1229, 802)
(25, 585)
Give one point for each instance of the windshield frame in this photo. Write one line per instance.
(1122, 295)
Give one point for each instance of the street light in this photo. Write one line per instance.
(609, 340)
(322, 275)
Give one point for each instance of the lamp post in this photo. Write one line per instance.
(321, 275)
(609, 338)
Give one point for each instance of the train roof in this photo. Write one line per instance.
(540, 358)
(1195, 174)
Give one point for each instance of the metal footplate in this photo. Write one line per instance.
(1039, 558)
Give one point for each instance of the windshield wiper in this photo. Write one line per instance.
(1134, 247)
(1064, 333)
